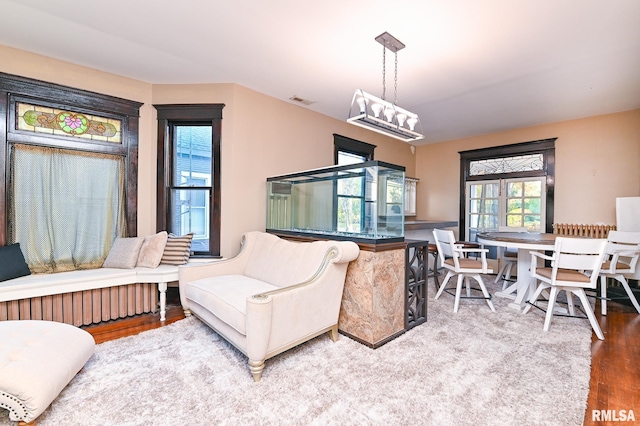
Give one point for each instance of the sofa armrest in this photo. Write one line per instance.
(344, 253)
(289, 315)
(347, 251)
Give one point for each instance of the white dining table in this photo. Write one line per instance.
(524, 242)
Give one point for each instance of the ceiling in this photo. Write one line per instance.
(469, 67)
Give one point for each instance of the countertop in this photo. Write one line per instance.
(412, 225)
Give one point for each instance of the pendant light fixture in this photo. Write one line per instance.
(379, 114)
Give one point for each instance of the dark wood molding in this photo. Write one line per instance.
(15, 88)
(544, 146)
(353, 146)
(372, 247)
(168, 116)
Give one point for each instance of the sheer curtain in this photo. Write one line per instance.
(65, 206)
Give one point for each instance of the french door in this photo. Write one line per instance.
(505, 202)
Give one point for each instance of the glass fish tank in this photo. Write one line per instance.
(361, 202)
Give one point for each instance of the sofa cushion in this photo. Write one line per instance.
(124, 253)
(152, 249)
(226, 296)
(177, 249)
(283, 263)
(12, 263)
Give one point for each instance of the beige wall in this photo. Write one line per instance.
(261, 137)
(597, 160)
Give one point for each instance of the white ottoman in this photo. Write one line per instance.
(37, 360)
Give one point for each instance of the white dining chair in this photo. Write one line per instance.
(621, 262)
(575, 265)
(454, 259)
(508, 257)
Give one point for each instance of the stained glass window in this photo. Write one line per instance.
(53, 121)
(492, 166)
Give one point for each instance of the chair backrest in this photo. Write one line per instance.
(620, 240)
(445, 241)
(581, 254)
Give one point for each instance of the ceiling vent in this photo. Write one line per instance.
(301, 101)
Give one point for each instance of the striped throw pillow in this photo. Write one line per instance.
(177, 249)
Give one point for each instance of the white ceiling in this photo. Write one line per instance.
(470, 67)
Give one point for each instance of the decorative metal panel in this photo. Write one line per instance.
(416, 284)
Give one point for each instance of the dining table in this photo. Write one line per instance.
(524, 243)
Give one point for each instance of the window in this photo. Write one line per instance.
(518, 202)
(71, 178)
(507, 186)
(350, 151)
(349, 192)
(189, 174)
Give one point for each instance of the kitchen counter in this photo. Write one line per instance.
(423, 229)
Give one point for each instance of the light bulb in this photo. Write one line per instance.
(389, 113)
(362, 103)
(377, 109)
(412, 123)
(401, 119)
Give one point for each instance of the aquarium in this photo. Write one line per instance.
(362, 202)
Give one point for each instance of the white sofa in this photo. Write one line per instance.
(38, 285)
(274, 295)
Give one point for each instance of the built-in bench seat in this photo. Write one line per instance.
(61, 283)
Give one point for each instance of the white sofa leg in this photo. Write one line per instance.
(333, 333)
(187, 312)
(256, 368)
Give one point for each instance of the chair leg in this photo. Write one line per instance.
(456, 304)
(533, 298)
(587, 309)
(434, 271)
(468, 285)
(553, 293)
(603, 294)
(444, 284)
(572, 310)
(632, 297)
(484, 291)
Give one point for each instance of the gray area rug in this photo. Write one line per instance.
(471, 368)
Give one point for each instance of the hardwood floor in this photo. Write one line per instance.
(615, 363)
(116, 329)
(615, 366)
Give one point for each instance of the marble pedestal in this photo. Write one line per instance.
(373, 301)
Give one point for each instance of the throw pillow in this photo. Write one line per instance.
(124, 253)
(12, 263)
(177, 250)
(152, 250)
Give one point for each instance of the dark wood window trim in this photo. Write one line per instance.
(169, 115)
(543, 146)
(352, 146)
(21, 89)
